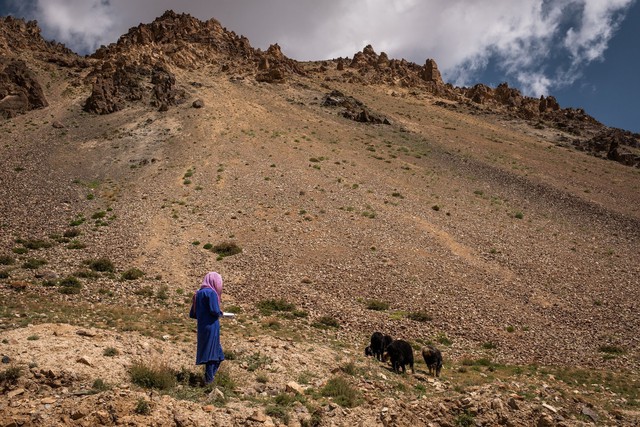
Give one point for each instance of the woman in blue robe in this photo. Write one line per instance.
(206, 309)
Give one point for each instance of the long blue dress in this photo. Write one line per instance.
(207, 311)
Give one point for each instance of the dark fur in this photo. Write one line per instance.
(386, 340)
(433, 358)
(368, 351)
(377, 345)
(401, 354)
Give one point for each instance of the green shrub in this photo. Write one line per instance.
(326, 322)
(510, 329)
(519, 215)
(33, 338)
(225, 249)
(110, 352)
(71, 233)
(99, 215)
(76, 244)
(341, 392)
(163, 293)
(420, 316)
(35, 244)
(267, 307)
(132, 274)
(489, 345)
(86, 274)
(10, 375)
(70, 285)
(142, 407)
(145, 291)
(444, 340)
(377, 305)
(233, 309)
(101, 264)
(6, 260)
(20, 250)
(611, 349)
(207, 246)
(157, 376)
(100, 385)
(279, 412)
(33, 263)
(435, 208)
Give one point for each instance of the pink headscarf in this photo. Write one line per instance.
(213, 281)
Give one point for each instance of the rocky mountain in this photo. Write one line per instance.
(336, 198)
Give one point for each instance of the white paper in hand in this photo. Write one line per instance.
(227, 314)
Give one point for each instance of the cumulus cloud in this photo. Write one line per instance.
(521, 39)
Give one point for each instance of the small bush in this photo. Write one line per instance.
(145, 291)
(489, 345)
(4, 274)
(101, 264)
(611, 349)
(341, 392)
(86, 274)
(207, 246)
(326, 322)
(163, 293)
(20, 250)
(110, 352)
(36, 244)
(233, 309)
(99, 215)
(510, 329)
(435, 208)
(262, 378)
(10, 375)
(70, 285)
(71, 233)
(267, 307)
(132, 274)
(377, 305)
(100, 385)
(6, 260)
(519, 215)
(76, 244)
(142, 407)
(279, 412)
(444, 340)
(33, 263)
(225, 249)
(33, 338)
(157, 376)
(420, 316)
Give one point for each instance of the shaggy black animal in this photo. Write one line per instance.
(368, 351)
(401, 354)
(433, 358)
(376, 346)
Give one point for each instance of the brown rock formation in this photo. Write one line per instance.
(19, 89)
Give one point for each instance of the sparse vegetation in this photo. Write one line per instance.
(132, 274)
(226, 249)
(70, 285)
(377, 305)
(326, 322)
(6, 260)
(420, 316)
(100, 264)
(33, 263)
(267, 307)
(152, 375)
(142, 407)
(342, 392)
(110, 352)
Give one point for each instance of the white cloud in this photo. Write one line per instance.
(522, 37)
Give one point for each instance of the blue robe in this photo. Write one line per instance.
(207, 311)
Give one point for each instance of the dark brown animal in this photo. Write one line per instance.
(433, 358)
(401, 354)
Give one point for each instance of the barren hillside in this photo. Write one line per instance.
(365, 192)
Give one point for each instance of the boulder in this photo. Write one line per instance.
(20, 92)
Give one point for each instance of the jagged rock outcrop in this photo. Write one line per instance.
(352, 108)
(19, 90)
(614, 144)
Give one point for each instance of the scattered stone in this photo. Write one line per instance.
(586, 411)
(549, 407)
(76, 414)
(6, 359)
(513, 404)
(258, 416)
(57, 125)
(48, 400)
(85, 333)
(198, 103)
(294, 387)
(84, 360)
(208, 408)
(14, 393)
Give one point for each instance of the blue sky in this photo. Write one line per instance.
(584, 52)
